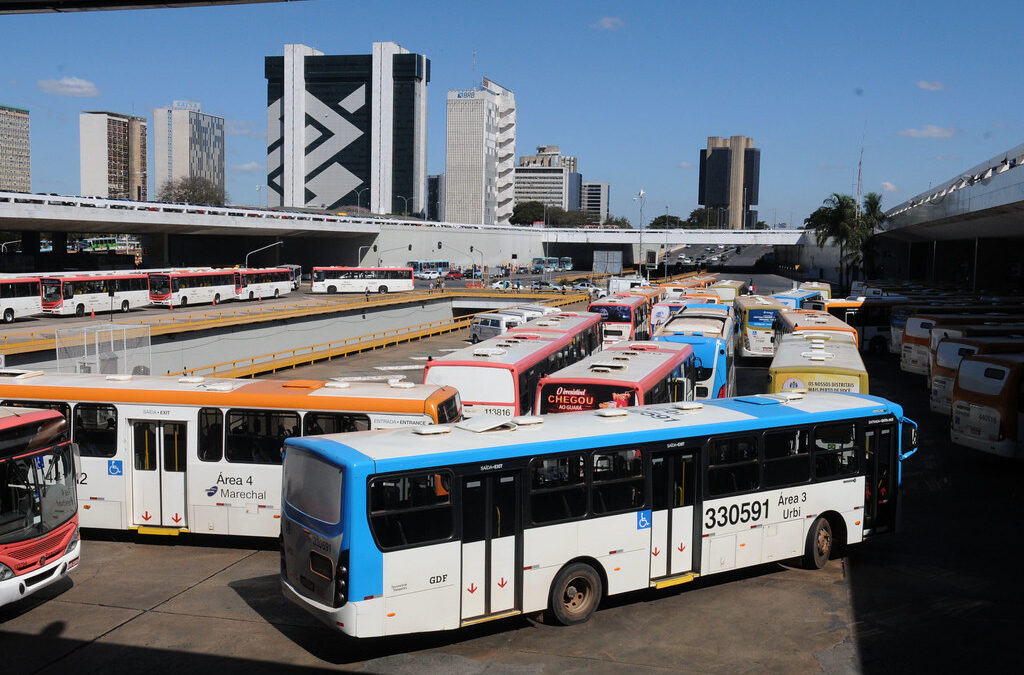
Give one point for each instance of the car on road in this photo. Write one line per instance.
(590, 287)
(428, 274)
(546, 286)
(506, 284)
(453, 274)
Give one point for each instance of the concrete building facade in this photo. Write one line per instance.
(187, 143)
(15, 150)
(594, 202)
(480, 155)
(348, 130)
(113, 160)
(549, 178)
(729, 179)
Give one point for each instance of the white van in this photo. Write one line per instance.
(492, 324)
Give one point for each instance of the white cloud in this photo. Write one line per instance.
(685, 165)
(248, 166)
(928, 131)
(69, 86)
(608, 23)
(934, 85)
(889, 187)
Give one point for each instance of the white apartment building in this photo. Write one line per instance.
(480, 155)
(15, 150)
(112, 155)
(548, 178)
(187, 143)
(594, 202)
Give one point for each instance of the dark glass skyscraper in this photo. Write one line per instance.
(730, 172)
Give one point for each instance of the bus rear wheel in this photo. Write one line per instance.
(125, 306)
(8, 315)
(382, 290)
(184, 301)
(251, 295)
(277, 292)
(575, 594)
(80, 310)
(216, 299)
(819, 545)
(332, 289)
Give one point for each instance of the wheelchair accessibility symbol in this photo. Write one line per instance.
(115, 467)
(643, 519)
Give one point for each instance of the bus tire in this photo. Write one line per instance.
(332, 289)
(216, 299)
(80, 310)
(575, 594)
(819, 544)
(184, 301)
(125, 306)
(251, 295)
(474, 339)
(8, 315)
(382, 290)
(277, 292)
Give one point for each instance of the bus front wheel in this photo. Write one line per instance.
(575, 594)
(332, 290)
(125, 306)
(216, 299)
(819, 544)
(8, 315)
(183, 302)
(80, 310)
(382, 290)
(277, 292)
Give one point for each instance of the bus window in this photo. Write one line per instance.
(835, 451)
(62, 408)
(256, 436)
(95, 429)
(211, 434)
(618, 481)
(732, 466)
(315, 423)
(787, 458)
(558, 491)
(410, 510)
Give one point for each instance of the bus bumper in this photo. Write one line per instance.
(22, 586)
(342, 618)
(1006, 448)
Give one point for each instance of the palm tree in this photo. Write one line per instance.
(836, 219)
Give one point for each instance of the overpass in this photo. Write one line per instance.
(204, 234)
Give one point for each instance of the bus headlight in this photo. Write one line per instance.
(6, 572)
(74, 541)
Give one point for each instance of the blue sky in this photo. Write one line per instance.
(632, 89)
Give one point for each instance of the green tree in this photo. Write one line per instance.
(527, 213)
(837, 220)
(701, 218)
(192, 190)
(761, 225)
(620, 223)
(666, 222)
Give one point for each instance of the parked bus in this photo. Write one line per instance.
(794, 321)
(253, 284)
(800, 299)
(87, 292)
(623, 317)
(499, 376)
(988, 406)
(873, 319)
(625, 374)
(944, 307)
(756, 316)
(821, 366)
(362, 279)
(296, 275)
(180, 288)
(583, 327)
(429, 267)
(822, 287)
(915, 350)
(661, 311)
(712, 342)
(19, 297)
(948, 355)
(164, 455)
(729, 289)
(39, 540)
(565, 264)
(436, 528)
(994, 327)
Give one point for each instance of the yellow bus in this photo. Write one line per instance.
(834, 366)
(756, 316)
(729, 289)
(813, 320)
(822, 287)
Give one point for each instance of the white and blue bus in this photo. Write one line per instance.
(429, 269)
(435, 528)
(710, 330)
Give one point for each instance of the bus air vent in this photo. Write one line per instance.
(527, 420)
(612, 365)
(119, 378)
(489, 351)
(432, 429)
(688, 405)
(400, 384)
(219, 386)
(482, 423)
(611, 412)
(545, 322)
(600, 369)
(624, 356)
(197, 379)
(793, 394)
(824, 356)
(526, 336)
(334, 384)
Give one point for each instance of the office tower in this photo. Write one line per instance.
(729, 176)
(480, 155)
(112, 155)
(187, 143)
(549, 178)
(15, 150)
(348, 130)
(594, 202)
(435, 197)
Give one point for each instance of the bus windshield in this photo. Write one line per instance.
(708, 327)
(614, 313)
(51, 290)
(948, 354)
(37, 480)
(982, 378)
(475, 383)
(160, 283)
(313, 486)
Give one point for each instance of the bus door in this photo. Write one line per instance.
(158, 472)
(238, 283)
(491, 544)
(882, 478)
(672, 514)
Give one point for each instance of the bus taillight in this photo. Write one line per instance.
(341, 580)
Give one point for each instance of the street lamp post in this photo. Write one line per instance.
(640, 199)
(359, 194)
(259, 188)
(359, 255)
(262, 248)
(405, 200)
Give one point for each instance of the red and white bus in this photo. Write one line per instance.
(623, 317)
(499, 376)
(180, 288)
(583, 327)
(19, 296)
(361, 279)
(39, 542)
(256, 284)
(80, 294)
(625, 374)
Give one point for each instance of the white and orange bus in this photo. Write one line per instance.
(19, 297)
(180, 288)
(947, 357)
(625, 374)
(256, 284)
(988, 405)
(915, 348)
(39, 541)
(166, 455)
(88, 292)
(794, 321)
(583, 327)
(623, 317)
(499, 376)
(362, 279)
